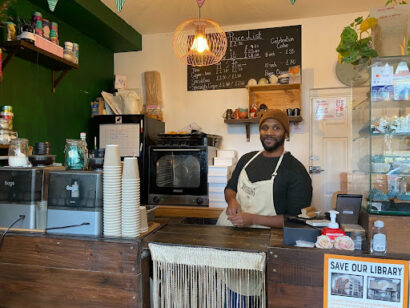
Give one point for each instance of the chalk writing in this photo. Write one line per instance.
(250, 54)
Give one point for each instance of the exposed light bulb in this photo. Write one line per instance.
(200, 43)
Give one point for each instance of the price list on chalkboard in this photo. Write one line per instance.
(250, 54)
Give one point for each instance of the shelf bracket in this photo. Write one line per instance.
(248, 133)
(56, 80)
(10, 55)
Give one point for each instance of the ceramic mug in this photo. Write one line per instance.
(289, 112)
(296, 112)
(228, 114)
(243, 113)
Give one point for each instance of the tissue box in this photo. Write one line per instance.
(49, 46)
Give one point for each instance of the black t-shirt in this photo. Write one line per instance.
(292, 188)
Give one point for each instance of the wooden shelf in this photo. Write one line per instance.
(275, 96)
(34, 54)
(98, 21)
(273, 87)
(248, 122)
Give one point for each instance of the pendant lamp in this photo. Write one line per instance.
(199, 41)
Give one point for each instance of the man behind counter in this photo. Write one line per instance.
(269, 184)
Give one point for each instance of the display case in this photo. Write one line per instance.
(388, 131)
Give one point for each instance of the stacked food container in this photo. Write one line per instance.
(218, 175)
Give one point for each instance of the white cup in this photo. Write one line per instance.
(130, 170)
(112, 155)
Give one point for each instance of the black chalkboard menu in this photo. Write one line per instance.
(250, 54)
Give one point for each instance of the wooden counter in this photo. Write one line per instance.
(57, 271)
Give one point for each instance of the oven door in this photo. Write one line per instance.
(178, 175)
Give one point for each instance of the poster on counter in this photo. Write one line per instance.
(329, 108)
(357, 282)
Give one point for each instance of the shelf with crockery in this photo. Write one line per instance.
(28, 51)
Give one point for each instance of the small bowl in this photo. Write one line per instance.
(243, 114)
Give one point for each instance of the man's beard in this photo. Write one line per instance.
(275, 146)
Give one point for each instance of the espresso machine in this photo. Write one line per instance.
(23, 191)
(75, 202)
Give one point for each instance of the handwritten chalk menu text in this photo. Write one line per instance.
(250, 54)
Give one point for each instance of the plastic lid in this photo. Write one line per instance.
(379, 224)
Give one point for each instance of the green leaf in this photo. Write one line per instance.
(349, 35)
(352, 57)
(358, 20)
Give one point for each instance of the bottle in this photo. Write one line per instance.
(378, 242)
(332, 231)
(357, 239)
(403, 186)
(83, 137)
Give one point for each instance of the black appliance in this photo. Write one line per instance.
(178, 169)
(134, 133)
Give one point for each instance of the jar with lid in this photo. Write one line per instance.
(18, 153)
(74, 154)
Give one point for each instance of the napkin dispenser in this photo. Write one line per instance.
(75, 202)
(295, 229)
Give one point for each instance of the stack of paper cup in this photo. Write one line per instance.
(112, 191)
(130, 197)
(144, 220)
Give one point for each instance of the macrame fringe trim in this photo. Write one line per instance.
(208, 257)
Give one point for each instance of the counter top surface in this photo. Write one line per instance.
(245, 239)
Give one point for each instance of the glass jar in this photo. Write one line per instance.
(74, 154)
(18, 153)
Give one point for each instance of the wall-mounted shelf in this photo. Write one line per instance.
(34, 54)
(248, 122)
(95, 19)
(275, 96)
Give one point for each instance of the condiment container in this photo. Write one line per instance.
(18, 153)
(74, 154)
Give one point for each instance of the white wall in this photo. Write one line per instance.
(320, 37)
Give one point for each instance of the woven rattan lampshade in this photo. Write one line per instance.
(199, 42)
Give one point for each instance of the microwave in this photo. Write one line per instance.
(178, 174)
(134, 133)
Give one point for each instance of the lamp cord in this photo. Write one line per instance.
(21, 217)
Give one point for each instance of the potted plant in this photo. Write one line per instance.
(355, 45)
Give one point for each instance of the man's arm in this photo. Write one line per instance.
(233, 205)
(247, 219)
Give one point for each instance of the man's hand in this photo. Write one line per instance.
(233, 207)
(241, 219)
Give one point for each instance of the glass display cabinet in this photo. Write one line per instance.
(388, 131)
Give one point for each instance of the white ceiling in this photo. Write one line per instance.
(162, 16)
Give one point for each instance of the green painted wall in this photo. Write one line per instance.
(40, 115)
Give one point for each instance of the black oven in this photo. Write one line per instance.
(179, 174)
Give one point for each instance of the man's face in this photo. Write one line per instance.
(272, 134)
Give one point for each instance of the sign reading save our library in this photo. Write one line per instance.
(251, 54)
(357, 282)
